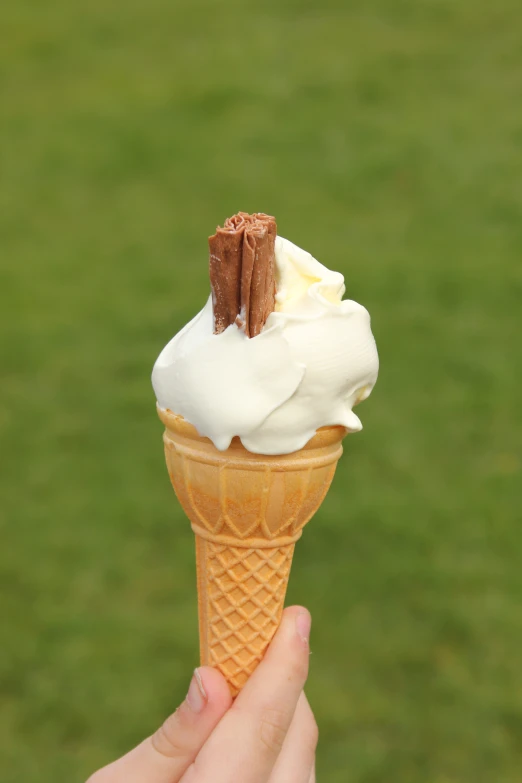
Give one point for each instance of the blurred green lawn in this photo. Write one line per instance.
(386, 138)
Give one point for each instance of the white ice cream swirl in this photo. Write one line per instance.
(313, 361)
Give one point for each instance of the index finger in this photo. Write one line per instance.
(247, 741)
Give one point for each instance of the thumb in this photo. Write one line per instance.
(164, 757)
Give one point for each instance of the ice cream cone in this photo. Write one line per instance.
(247, 511)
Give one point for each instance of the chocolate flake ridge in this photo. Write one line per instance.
(242, 272)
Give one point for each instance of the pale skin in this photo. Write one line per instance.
(267, 735)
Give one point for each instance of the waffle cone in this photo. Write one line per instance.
(247, 511)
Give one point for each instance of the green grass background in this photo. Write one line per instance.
(386, 137)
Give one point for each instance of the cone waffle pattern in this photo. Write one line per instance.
(246, 590)
(247, 511)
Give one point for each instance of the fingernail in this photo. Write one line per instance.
(196, 696)
(303, 623)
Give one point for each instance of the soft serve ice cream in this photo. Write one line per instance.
(312, 361)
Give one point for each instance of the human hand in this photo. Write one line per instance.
(267, 735)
